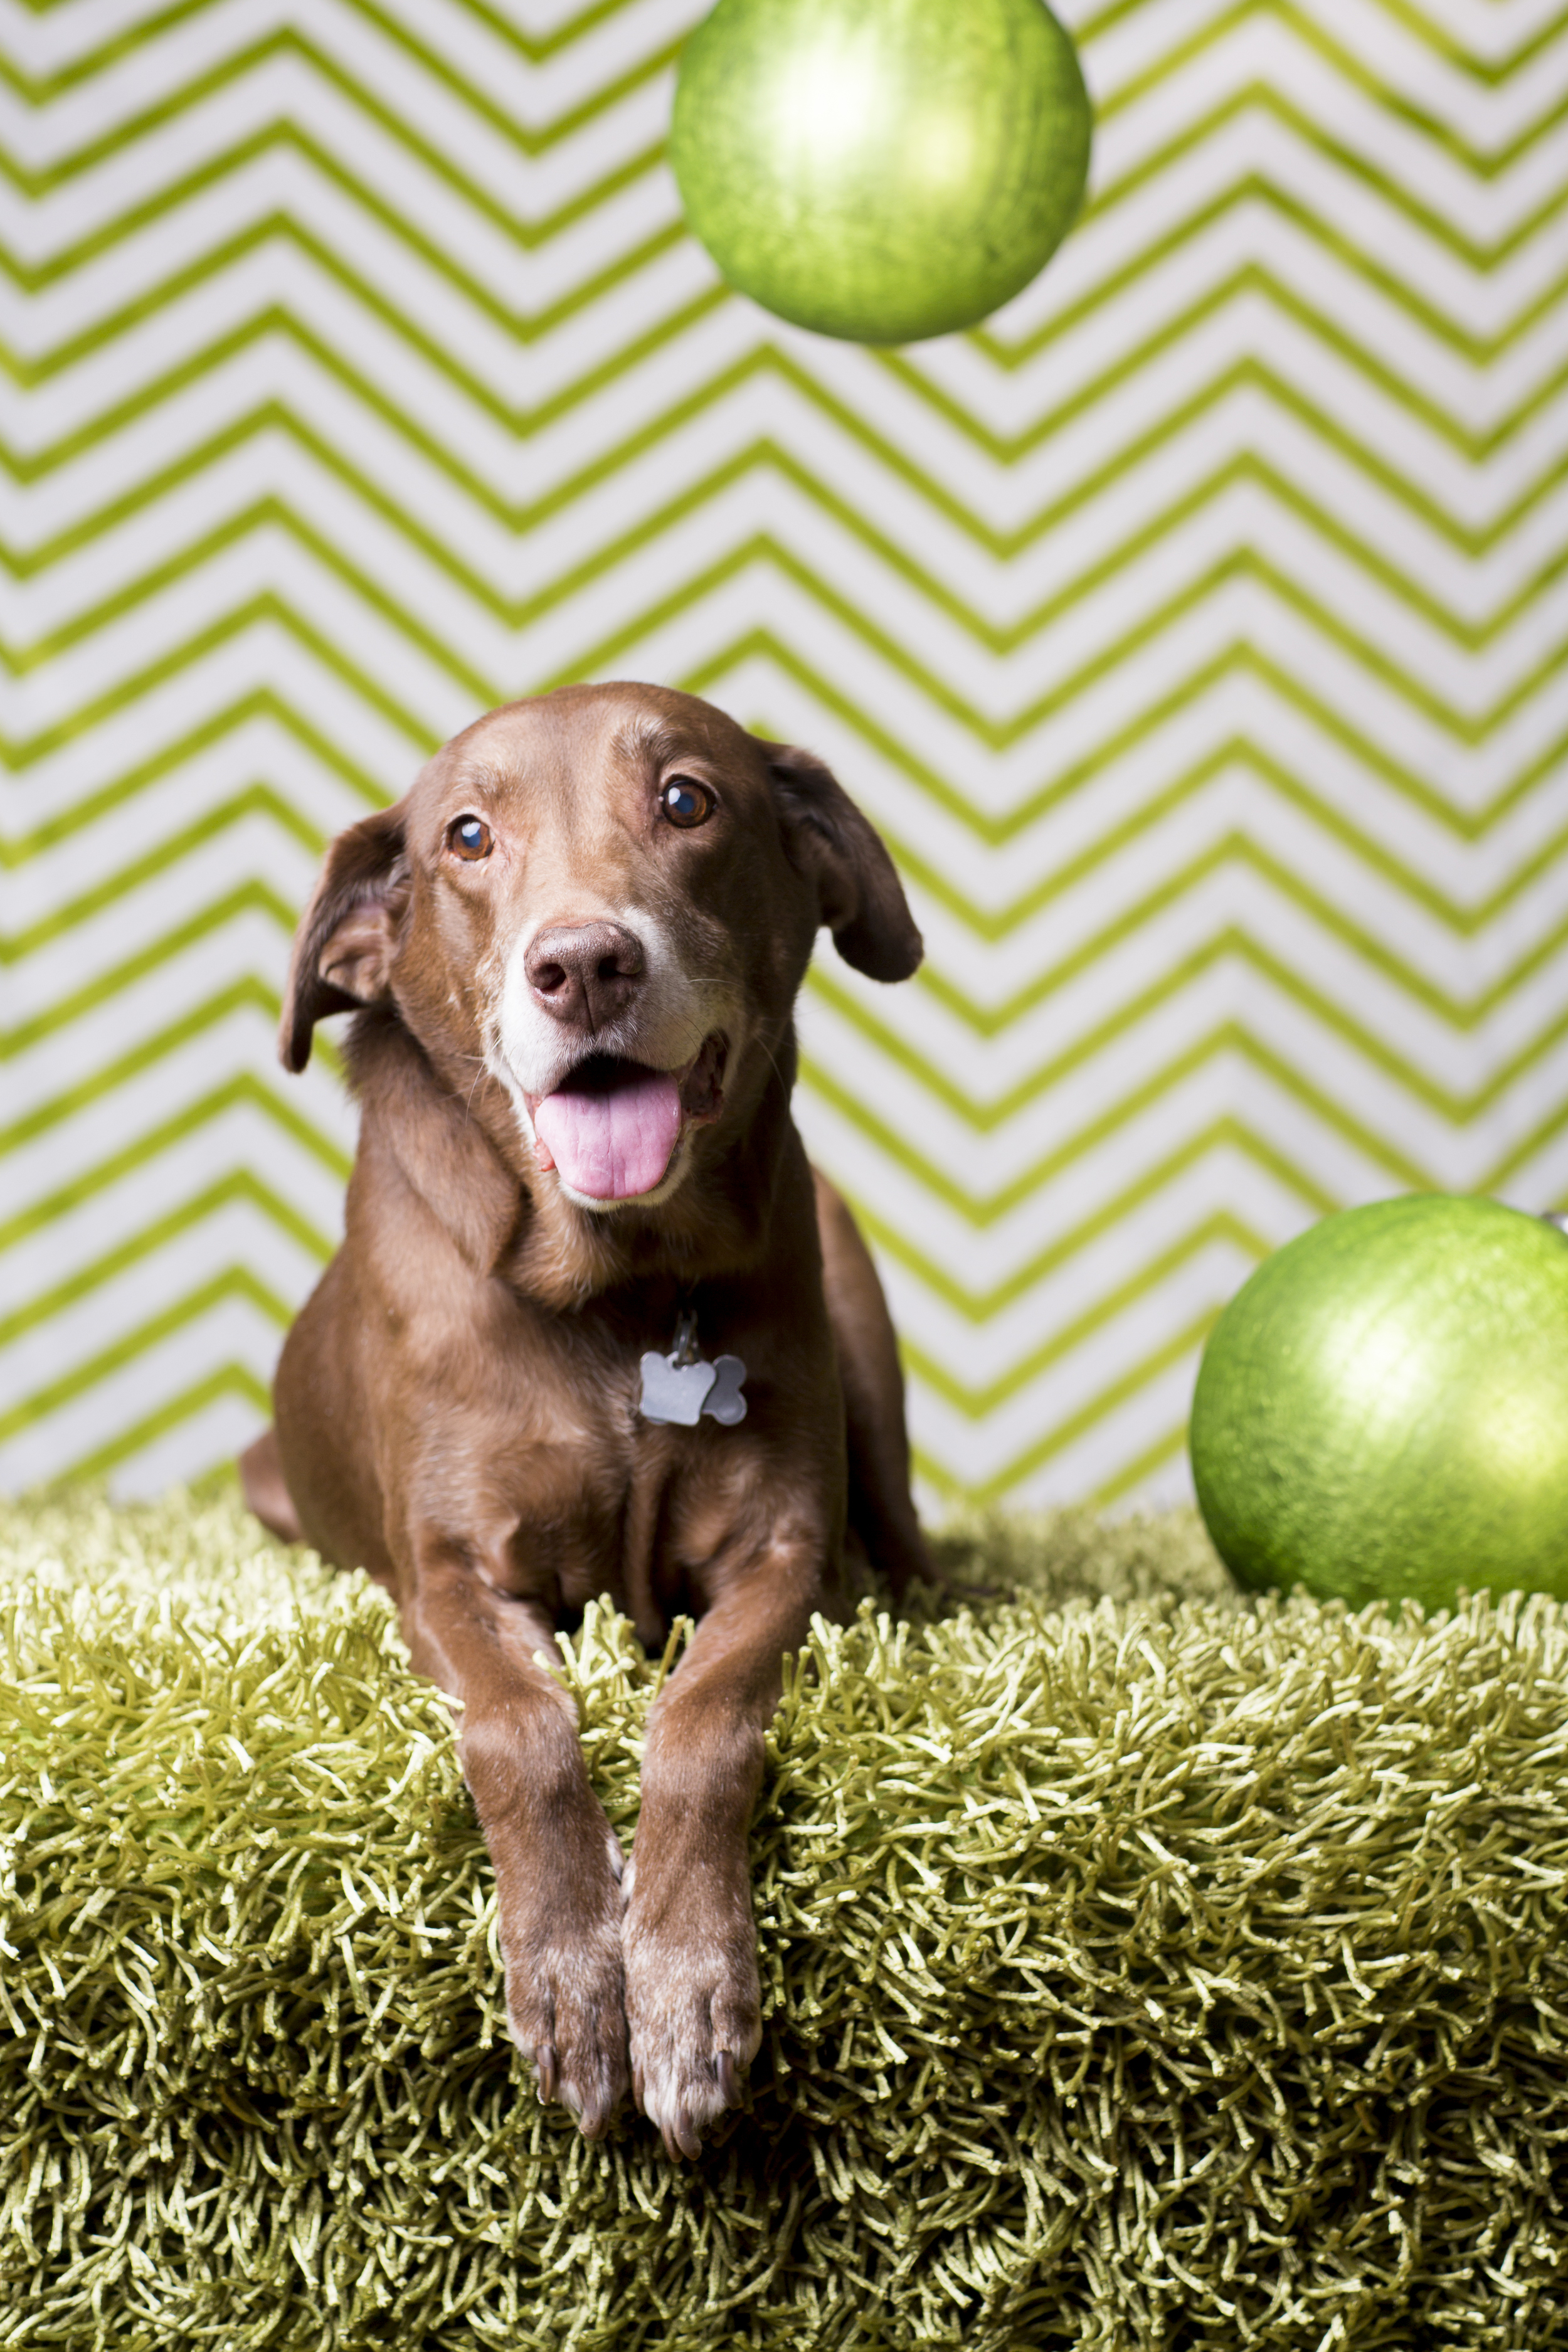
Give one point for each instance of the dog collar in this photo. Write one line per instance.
(681, 1387)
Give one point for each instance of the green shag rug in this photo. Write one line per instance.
(1143, 1966)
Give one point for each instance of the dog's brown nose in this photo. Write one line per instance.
(584, 973)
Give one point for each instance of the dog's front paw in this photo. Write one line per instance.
(565, 2001)
(693, 2002)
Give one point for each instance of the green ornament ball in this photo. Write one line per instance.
(1382, 1410)
(881, 170)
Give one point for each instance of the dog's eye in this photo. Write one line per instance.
(687, 803)
(469, 837)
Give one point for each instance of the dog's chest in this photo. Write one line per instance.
(600, 1498)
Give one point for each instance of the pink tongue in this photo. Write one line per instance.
(613, 1146)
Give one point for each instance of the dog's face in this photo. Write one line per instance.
(606, 898)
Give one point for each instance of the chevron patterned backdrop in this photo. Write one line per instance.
(1194, 633)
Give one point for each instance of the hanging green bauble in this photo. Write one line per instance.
(880, 170)
(1382, 1410)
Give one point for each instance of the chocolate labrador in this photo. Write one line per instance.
(595, 1326)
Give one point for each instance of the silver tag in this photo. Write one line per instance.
(673, 1392)
(724, 1402)
(681, 1387)
(681, 1393)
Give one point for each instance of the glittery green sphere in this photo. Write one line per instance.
(880, 170)
(1382, 1410)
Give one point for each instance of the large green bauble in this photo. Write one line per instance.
(1382, 1410)
(881, 169)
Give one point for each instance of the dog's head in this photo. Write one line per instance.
(606, 898)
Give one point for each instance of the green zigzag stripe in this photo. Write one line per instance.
(41, 89)
(528, 328)
(1232, 850)
(272, 511)
(1232, 942)
(1241, 564)
(264, 703)
(980, 1307)
(976, 1403)
(237, 1282)
(1056, 1439)
(1254, 277)
(291, 43)
(1240, 660)
(1245, 467)
(1490, 73)
(243, 1091)
(246, 897)
(230, 1380)
(1483, 163)
(983, 1209)
(239, 1186)
(242, 995)
(257, 800)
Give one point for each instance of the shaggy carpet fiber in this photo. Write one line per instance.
(1143, 1966)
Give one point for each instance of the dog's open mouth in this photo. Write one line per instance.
(611, 1127)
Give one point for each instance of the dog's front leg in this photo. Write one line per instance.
(557, 1861)
(693, 1993)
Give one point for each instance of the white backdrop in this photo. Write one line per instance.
(1194, 635)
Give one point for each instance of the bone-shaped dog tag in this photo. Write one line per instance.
(673, 1392)
(725, 1403)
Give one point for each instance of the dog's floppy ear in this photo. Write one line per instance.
(859, 894)
(347, 935)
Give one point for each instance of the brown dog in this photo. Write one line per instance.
(578, 942)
